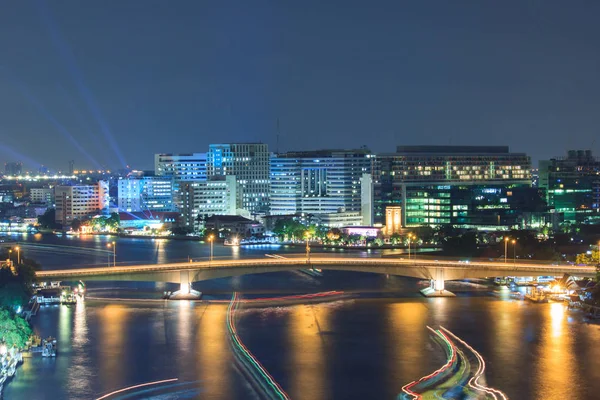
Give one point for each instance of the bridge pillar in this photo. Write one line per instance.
(437, 285)
(185, 291)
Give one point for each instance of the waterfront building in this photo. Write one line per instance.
(182, 167)
(234, 225)
(146, 193)
(483, 187)
(42, 195)
(80, 201)
(572, 185)
(322, 182)
(249, 163)
(219, 195)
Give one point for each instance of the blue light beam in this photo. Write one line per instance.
(76, 74)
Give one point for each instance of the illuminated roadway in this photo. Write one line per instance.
(436, 270)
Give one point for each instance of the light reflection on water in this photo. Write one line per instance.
(557, 373)
(346, 349)
(307, 330)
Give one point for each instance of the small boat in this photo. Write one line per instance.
(536, 296)
(49, 347)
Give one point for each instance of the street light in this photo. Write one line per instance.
(18, 255)
(113, 245)
(211, 239)
(410, 236)
(10, 255)
(505, 248)
(514, 242)
(307, 235)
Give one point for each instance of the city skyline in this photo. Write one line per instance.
(175, 79)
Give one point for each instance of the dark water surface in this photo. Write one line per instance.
(364, 347)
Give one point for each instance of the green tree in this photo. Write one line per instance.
(14, 330)
(48, 220)
(76, 225)
(588, 259)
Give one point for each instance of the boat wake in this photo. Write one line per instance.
(260, 379)
(461, 377)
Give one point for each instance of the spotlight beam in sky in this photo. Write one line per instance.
(59, 127)
(77, 76)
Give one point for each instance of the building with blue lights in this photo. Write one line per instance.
(249, 163)
(322, 182)
(182, 167)
(146, 193)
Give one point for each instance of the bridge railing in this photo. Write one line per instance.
(493, 267)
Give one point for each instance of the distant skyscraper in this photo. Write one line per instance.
(249, 162)
(13, 168)
(80, 201)
(71, 167)
(183, 167)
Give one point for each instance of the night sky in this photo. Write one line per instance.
(109, 83)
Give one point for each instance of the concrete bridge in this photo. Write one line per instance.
(437, 271)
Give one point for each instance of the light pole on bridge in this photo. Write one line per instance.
(506, 239)
(411, 237)
(211, 239)
(514, 242)
(113, 245)
(307, 235)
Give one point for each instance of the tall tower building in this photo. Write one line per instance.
(249, 162)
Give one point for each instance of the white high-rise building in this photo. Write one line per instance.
(80, 201)
(249, 162)
(319, 182)
(182, 167)
(146, 193)
(219, 195)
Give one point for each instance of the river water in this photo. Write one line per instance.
(365, 346)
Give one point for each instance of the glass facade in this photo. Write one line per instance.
(318, 182)
(467, 186)
(572, 185)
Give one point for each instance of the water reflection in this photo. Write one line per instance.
(214, 357)
(408, 340)
(307, 324)
(113, 321)
(557, 371)
(80, 369)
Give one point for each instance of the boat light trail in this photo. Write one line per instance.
(136, 387)
(473, 382)
(450, 361)
(247, 355)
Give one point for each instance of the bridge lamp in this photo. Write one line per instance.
(410, 237)
(211, 240)
(307, 236)
(18, 249)
(113, 245)
(514, 242)
(506, 239)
